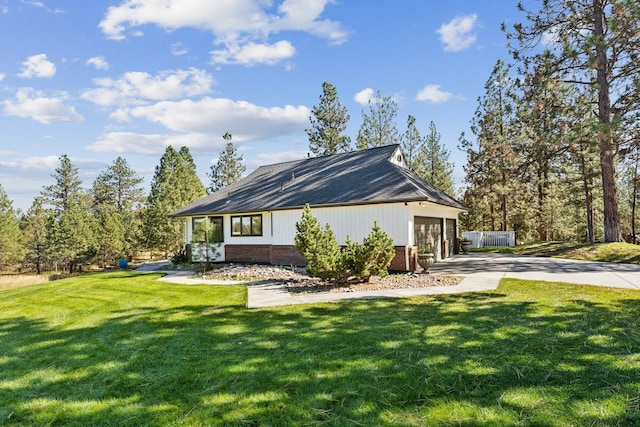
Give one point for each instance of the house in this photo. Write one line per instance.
(254, 219)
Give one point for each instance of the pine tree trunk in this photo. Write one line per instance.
(605, 135)
(634, 183)
(588, 197)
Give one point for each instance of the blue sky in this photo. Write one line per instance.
(100, 79)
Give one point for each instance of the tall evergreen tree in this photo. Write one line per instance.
(412, 144)
(72, 236)
(328, 122)
(67, 187)
(433, 164)
(10, 237)
(491, 165)
(228, 168)
(117, 197)
(175, 184)
(35, 225)
(378, 126)
(543, 112)
(118, 186)
(598, 45)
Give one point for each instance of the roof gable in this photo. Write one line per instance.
(376, 175)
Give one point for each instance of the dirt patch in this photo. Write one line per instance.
(297, 281)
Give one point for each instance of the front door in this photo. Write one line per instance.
(428, 230)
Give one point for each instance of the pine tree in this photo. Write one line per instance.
(412, 144)
(118, 186)
(117, 197)
(433, 162)
(490, 168)
(68, 186)
(11, 247)
(175, 184)
(35, 225)
(378, 127)
(543, 112)
(328, 122)
(72, 236)
(598, 45)
(229, 167)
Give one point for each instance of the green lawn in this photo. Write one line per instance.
(606, 252)
(123, 349)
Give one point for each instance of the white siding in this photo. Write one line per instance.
(395, 219)
(353, 221)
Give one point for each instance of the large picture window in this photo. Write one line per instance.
(207, 229)
(246, 225)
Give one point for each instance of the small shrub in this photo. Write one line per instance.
(181, 257)
(372, 257)
(318, 246)
(326, 260)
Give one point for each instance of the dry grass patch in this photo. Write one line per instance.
(11, 281)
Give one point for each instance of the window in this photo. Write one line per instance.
(211, 231)
(246, 225)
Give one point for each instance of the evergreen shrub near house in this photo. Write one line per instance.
(372, 257)
(326, 260)
(318, 246)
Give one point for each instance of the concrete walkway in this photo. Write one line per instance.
(481, 272)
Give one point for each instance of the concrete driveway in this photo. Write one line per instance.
(484, 266)
(481, 271)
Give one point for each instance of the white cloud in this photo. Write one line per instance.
(98, 62)
(38, 66)
(254, 53)
(178, 49)
(364, 96)
(458, 34)
(199, 124)
(31, 104)
(20, 162)
(149, 144)
(135, 87)
(215, 116)
(4, 9)
(433, 94)
(241, 27)
(33, 3)
(302, 15)
(1, 77)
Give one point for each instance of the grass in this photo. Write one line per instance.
(605, 252)
(123, 349)
(11, 281)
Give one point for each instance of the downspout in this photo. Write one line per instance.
(406, 258)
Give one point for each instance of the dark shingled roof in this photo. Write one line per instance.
(355, 178)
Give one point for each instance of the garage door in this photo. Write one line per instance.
(425, 227)
(451, 237)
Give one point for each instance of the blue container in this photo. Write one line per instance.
(122, 263)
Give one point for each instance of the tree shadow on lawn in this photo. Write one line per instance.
(500, 358)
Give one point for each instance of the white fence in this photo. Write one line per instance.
(490, 239)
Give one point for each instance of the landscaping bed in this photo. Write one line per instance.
(298, 282)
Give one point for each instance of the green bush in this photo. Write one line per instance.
(372, 257)
(318, 246)
(326, 260)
